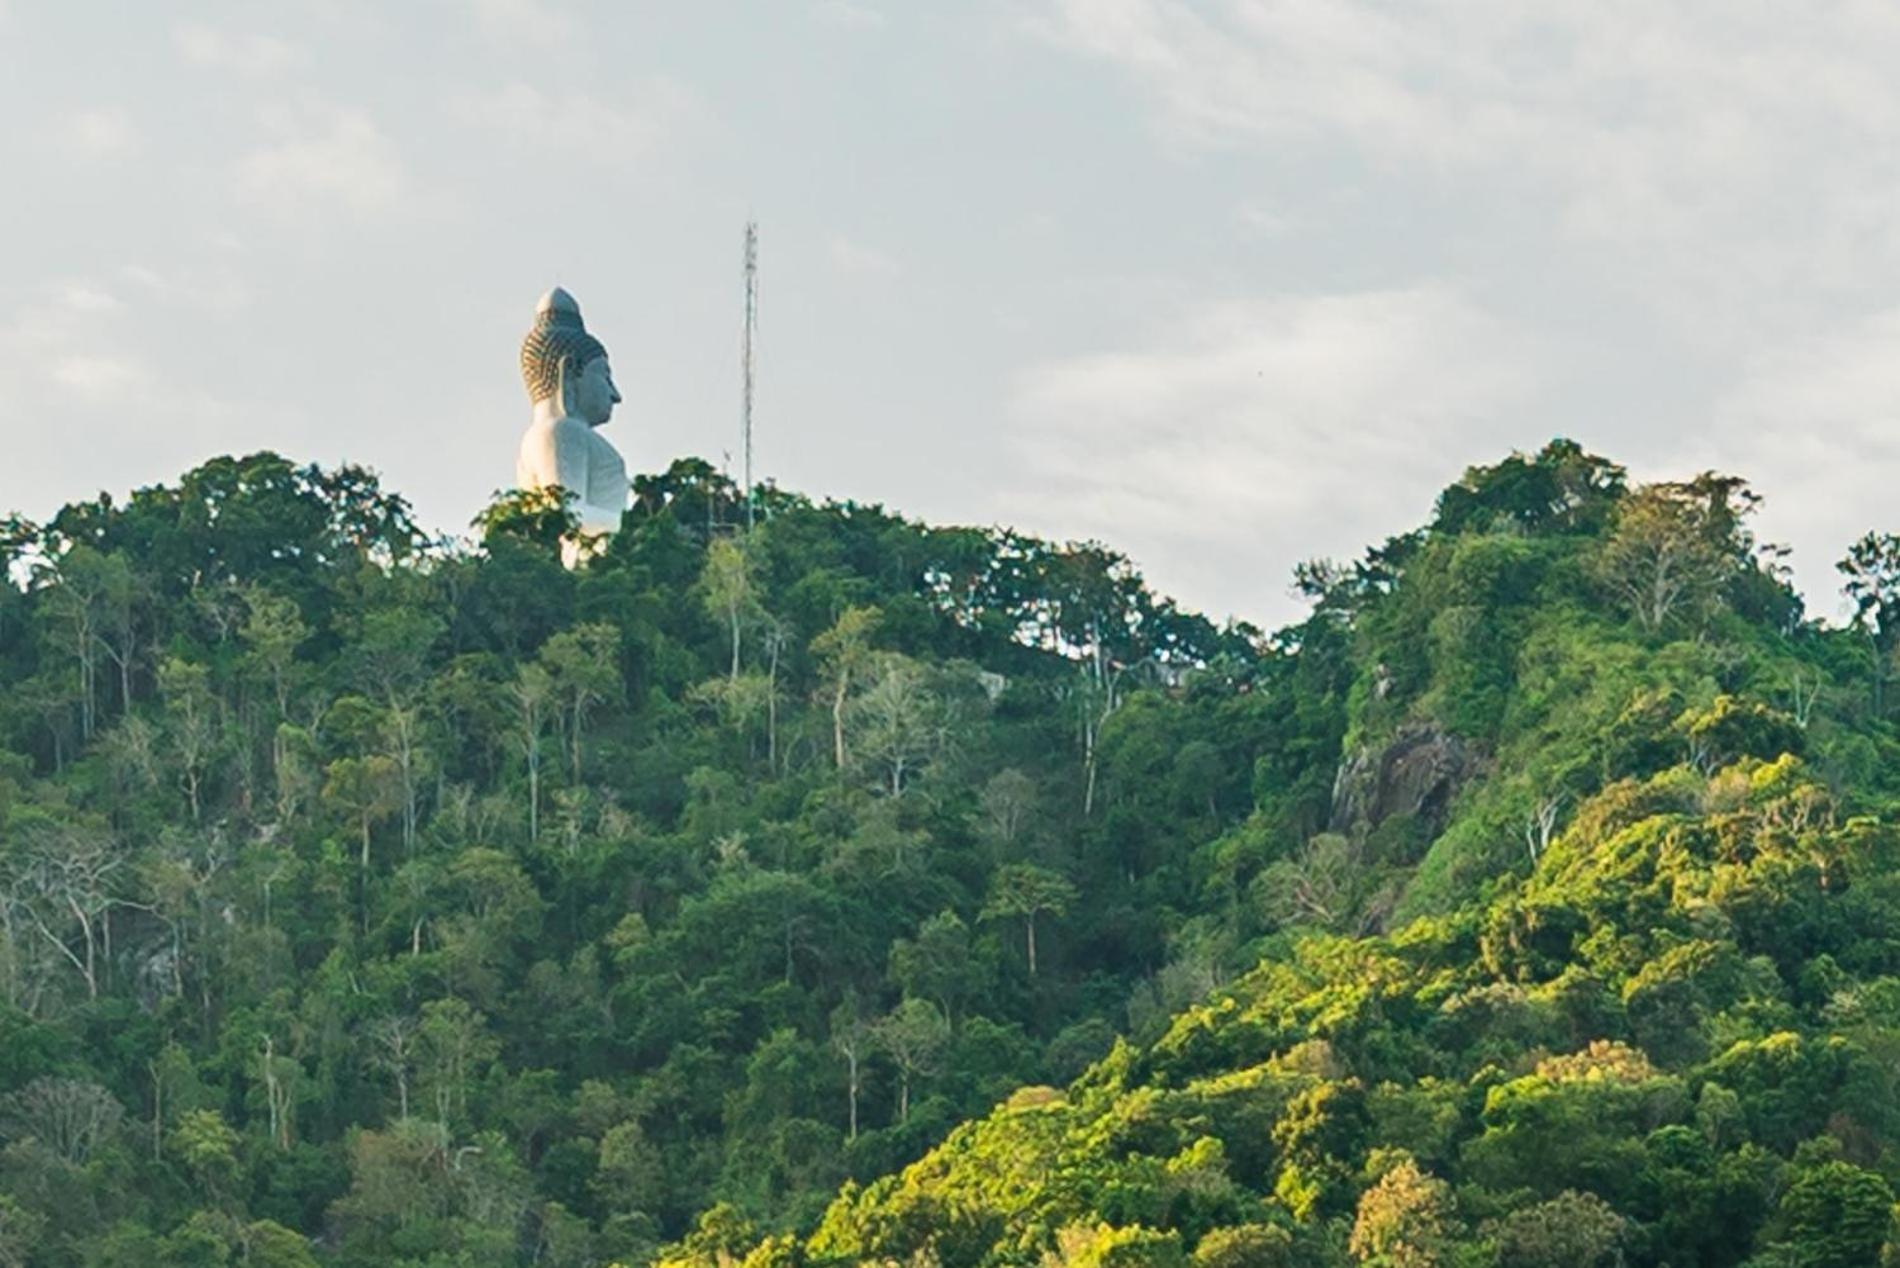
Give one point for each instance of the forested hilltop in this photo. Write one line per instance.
(367, 900)
(1590, 956)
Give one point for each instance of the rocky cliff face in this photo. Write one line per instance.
(1416, 773)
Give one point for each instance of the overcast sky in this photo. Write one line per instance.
(1225, 284)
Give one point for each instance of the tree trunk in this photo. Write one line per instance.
(85, 928)
(158, 1111)
(1880, 676)
(534, 798)
(771, 711)
(7, 938)
(1029, 926)
(851, 1086)
(408, 803)
(84, 652)
(837, 718)
(580, 708)
(271, 1102)
(362, 880)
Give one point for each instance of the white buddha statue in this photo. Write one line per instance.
(572, 387)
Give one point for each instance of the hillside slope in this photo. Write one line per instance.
(385, 901)
(366, 900)
(1595, 961)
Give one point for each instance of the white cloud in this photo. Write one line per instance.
(325, 158)
(66, 346)
(1264, 220)
(861, 259)
(1693, 205)
(246, 53)
(59, 319)
(111, 409)
(84, 298)
(1266, 432)
(1714, 151)
(101, 378)
(516, 22)
(849, 14)
(216, 291)
(102, 132)
(1816, 428)
(595, 128)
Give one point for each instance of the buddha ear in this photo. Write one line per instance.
(565, 380)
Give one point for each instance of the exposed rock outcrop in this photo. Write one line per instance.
(1417, 773)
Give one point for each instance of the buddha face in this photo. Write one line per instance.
(594, 393)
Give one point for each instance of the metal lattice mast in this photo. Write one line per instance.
(750, 356)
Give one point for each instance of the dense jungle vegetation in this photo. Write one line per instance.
(845, 890)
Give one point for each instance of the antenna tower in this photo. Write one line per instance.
(749, 356)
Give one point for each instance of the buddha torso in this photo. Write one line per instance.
(569, 453)
(571, 385)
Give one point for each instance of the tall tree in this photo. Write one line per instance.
(531, 692)
(64, 890)
(1025, 891)
(1872, 571)
(273, 630)
(1673, 548)
(1406, 1220)
(365, 790)
(844, 650)
(583, 670)
(913, 1035)
(901, 723)
(729, 591)
(191, 724)
(1833, 1216)
(851, 1038)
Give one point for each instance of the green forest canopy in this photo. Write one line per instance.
(366, 899)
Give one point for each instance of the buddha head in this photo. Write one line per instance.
(564, 365)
